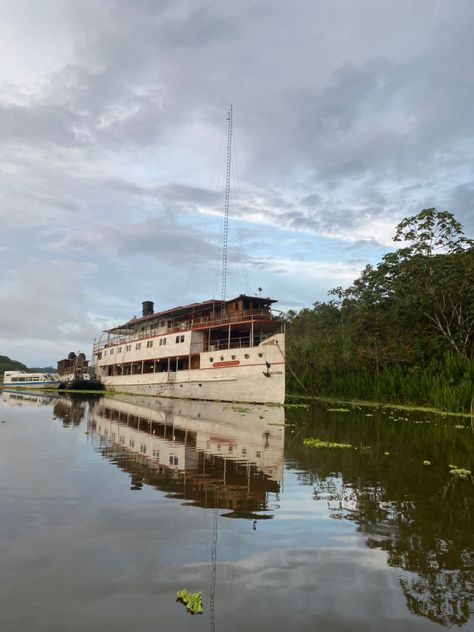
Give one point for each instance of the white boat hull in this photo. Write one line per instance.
(258, 377)
(28, 386)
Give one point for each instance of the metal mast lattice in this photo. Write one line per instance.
(226, 205)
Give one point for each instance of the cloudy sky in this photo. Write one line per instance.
(348, 116)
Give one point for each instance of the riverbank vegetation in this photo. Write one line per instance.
(403, 332)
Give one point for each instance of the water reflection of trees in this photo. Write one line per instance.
(419, 515)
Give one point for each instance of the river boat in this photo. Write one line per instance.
(22, 379)
(227, 350)
(75, 376)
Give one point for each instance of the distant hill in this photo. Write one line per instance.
(7, 364)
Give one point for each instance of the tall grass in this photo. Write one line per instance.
(447, 384)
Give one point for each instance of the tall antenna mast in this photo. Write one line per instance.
(226, 205)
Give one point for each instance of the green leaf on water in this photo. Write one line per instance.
(192, 601)
(314, 442)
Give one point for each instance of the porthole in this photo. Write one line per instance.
(260, 355)
(222, 358)
(211, 359)
(246, 356)
(200, 384)
(233, 357)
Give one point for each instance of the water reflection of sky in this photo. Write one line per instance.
(80, 548)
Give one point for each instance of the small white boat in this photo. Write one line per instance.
(22, 379)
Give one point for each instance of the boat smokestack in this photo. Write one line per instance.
(147, 308)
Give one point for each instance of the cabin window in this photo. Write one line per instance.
(143, 448)
(211, 359)
(138, 345)
(246, 356)
(14, 379)
(131, 443)
(105, 353)
(119, 350)
(156, 454)
(164, 341)
(177, 339)
(128, 348)
(182, 338)
(99, 355)
(149, 344)
(111, 351)
(161, 342)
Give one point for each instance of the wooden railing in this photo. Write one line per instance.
(204, 322)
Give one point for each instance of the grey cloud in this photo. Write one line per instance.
(345, 121)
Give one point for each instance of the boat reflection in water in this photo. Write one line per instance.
(30, 399)
(209, 454)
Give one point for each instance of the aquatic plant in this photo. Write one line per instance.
(305, 406)
(338, 410)
(240, 409)
(192, 601)
(314, 442)
(459, 472)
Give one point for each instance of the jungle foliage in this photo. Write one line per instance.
(403, 332)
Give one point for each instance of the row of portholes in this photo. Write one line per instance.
(246, 356)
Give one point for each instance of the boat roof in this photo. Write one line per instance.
(194, 307)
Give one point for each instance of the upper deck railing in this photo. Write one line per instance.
(247, 316)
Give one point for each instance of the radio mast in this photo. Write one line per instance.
(226, 205)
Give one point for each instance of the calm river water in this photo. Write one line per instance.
(108, 506)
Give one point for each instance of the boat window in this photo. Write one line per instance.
(119, 350)
(164, 341)
(111, 351)
(14, 379)
(149, 344)
(177, 339)
(182, 338)
(99, 355)
(138, 345)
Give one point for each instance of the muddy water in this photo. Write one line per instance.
(108, 506)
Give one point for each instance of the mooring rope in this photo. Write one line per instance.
(289, 367)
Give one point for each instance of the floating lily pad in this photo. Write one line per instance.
(192, 601)
(313, 442)
(459, 472)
